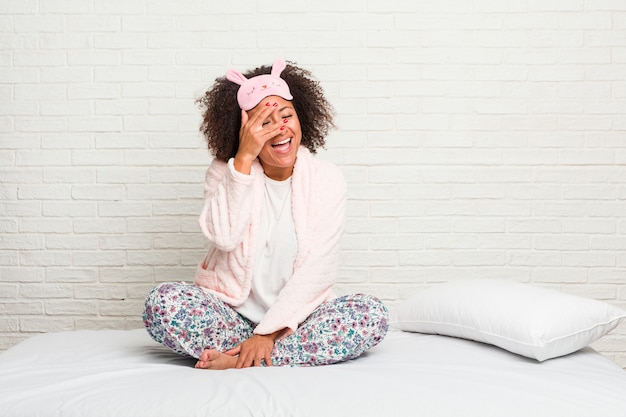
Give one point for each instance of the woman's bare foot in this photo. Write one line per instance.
(214, 359)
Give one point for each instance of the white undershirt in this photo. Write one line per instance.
(276, 250)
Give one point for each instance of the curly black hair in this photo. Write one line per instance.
(221, 115)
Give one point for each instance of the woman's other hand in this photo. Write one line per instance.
(254, 350)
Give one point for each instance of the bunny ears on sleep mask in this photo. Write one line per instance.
(255, 89)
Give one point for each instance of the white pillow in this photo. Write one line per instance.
(531, 321)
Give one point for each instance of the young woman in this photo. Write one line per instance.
(274, 215)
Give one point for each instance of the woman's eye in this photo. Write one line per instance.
(265, 123)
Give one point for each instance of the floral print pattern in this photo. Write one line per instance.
(187, 319)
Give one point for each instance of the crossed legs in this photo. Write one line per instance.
(190, 321)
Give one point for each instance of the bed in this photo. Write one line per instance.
(124, 373)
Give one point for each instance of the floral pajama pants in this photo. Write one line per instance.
(186, 319)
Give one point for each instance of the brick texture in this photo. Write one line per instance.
(479, 139)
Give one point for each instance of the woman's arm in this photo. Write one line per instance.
(228, 201)
(226, 214)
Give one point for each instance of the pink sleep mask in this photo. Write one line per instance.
(255, 89)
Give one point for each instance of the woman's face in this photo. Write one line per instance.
(278, 155)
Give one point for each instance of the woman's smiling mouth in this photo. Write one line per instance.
(282, 146)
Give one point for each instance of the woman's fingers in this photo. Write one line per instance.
(259, 117)
(234, 351)
(245, 361)
(255, 132)
(244, 118)
(254, 351)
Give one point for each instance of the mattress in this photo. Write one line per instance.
(125, 373)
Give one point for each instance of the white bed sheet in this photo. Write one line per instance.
(124, 373)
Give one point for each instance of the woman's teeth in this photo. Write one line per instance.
(282, 143)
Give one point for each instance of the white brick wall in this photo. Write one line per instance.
(479, 138)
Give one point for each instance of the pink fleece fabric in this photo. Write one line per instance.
(231, 217)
